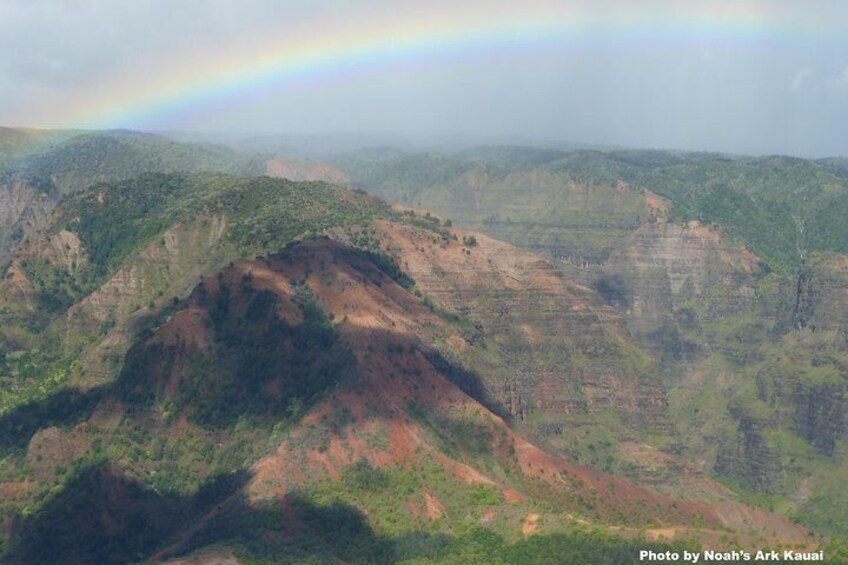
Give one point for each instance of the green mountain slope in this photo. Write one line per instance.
(144, 239)
(86, 158)
(38, 168)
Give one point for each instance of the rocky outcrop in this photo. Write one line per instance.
(821, 299)
(746, 455)
(672, 280)
(25, 205)
(67, 251)
(162, 272)
(821, 410)
(555, 351)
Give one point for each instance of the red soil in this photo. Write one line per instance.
(373, 313)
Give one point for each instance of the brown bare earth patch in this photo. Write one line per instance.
(16, 286)
(512, 496)
(305, 170)
(656, 204)
(530, 525)
(67, 248)
(16, 490)
(54, 447)
(187, 328)
(433, 507)
(469, 475)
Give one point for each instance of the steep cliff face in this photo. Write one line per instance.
(821, 411)
(821, 300)
(747, 455)
(805, 382)
(25, 205)
(549, 351)
(673, 281)
(577, 221)
(541, 208)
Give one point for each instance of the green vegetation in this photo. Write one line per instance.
(115, 221)
(84, 159)
(103, 516)
(571, 204)
(251, 354)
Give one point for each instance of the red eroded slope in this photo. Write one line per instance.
(389, 414)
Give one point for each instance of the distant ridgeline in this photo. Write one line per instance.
(38, 167)
(75, 161)
(781, 208)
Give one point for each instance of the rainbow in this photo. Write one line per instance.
(327, 54)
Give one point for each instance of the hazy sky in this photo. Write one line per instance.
(741, 76)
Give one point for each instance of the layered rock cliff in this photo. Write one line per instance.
(25, 204)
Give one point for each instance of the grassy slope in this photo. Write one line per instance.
(83, 159)
(116, 221)
(38, 168)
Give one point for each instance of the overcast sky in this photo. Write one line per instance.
(740, 76)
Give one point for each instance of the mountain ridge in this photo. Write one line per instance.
(464, 346)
